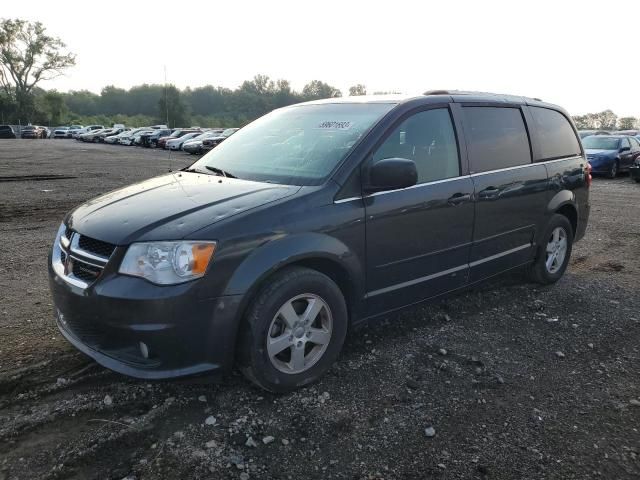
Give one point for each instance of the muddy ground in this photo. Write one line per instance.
(535, 383)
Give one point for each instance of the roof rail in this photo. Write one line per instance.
(466, 92)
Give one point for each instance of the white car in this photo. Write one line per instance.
(176, 143)
(115, 139)
(60, 132)
(82, 131)
(73, 129)
(130, 139)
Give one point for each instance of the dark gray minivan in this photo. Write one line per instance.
(314, 218)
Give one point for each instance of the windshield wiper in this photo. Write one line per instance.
(220, 172)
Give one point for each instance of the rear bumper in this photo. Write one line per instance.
(634, 172)
(110, 320)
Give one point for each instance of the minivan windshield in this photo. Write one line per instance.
(298, 145)
(601, 143)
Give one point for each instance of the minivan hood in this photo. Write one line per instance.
(170, 207)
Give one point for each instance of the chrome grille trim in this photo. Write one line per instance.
(75, 248)
(65, 248)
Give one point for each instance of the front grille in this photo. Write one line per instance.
(83, 258)
(97, 247)
(84, 271)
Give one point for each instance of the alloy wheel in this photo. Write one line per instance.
(299, 333)
(556, 250)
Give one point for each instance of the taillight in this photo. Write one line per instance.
(588, 175)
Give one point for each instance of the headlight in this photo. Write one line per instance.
(168, 263)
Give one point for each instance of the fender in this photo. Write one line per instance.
(290, 249)
(560, 199)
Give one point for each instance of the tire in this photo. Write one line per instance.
(540, 271)
(613, 171)
(300, 289)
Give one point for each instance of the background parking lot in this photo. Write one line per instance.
(510, 380)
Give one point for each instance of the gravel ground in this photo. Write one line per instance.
(509, 380)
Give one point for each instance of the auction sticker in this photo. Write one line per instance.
(332, 125)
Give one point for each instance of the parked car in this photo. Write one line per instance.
(611, 154)
(136, 139)
(92, 136)
(634, 171)
(6, 131)
(33, 131)
(109, 132)
(115, 139)
(126, 138)
(194, 146)
(176, 143)
(73, 129)
(178, 275)
(81, 131)
(60, 132)
(150, 140)
(213, 142)
(587, 133)
(176, 134)
(631, 133)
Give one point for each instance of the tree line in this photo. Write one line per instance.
(605, 120)
(30, 56)
(153, 103)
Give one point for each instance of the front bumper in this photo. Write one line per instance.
(184, 335)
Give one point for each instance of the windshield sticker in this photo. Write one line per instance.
(336, 125)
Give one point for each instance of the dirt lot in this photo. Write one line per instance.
(535, 382)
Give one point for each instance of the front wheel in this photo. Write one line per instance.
(293, 331)
(554, 251)
(613, 170)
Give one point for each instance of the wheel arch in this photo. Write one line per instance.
(316, 251)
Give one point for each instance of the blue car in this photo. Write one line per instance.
(611, 154)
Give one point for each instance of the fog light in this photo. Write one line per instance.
(144, 350)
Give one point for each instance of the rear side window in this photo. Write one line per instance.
(556, 138)
(497, 138)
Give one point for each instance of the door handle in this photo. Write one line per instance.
(489, 193)
(458, 198)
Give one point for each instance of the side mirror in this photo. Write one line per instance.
(392, 174)
(625, 149)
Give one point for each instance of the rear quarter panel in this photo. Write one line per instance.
(568, 185)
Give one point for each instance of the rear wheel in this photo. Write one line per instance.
(554, 251)
(294, 330)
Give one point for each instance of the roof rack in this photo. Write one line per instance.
(466, 92)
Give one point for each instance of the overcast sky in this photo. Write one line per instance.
(582, 55)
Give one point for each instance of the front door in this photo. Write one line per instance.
(418, 238)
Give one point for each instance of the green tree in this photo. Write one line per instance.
(316, 89)
(113, 100)
(627, 123)
(605, 120)
(356, 90)
(582, 122)
(28, 56)
(172, 108)
(54, 107)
